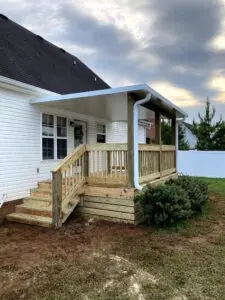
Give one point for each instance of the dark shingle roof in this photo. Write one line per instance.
(29, 58)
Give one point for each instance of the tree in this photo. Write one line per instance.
(166, 132)
(183, 144)
(204, 130)
(211, 135)
(167, 135)
(219, 136)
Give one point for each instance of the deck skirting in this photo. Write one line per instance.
(114, 204)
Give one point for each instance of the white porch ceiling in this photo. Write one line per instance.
(108, 104)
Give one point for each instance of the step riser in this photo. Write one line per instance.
(41, 190)
(37, 202)
(35, 212)
(41, 196)
(28, 222)
(48, 186)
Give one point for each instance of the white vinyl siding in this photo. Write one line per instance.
(117, 133)
(21, 164)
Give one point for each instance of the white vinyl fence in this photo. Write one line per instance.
(201, 163)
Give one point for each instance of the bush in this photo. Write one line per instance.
(165, 205)
(197, 191)
(177, 200)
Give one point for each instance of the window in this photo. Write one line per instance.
(61, 137)
(101, 133)
(54, 137)
(47, 136)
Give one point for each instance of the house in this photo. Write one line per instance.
(68, 139)
(190, 137)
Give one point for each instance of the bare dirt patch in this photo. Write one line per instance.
(114, 261)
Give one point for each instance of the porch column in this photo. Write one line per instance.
(175, 139)
(158, 138)
(130, 142)
(174, 131)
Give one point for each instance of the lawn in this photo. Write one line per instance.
(114, 261)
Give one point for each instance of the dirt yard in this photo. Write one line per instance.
(113, 261)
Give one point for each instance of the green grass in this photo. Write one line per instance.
(215, 185)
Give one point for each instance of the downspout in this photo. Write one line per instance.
(135, 131)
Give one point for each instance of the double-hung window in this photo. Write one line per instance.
(54, 137)
(101, 133)
(47, 136)
(61, 137)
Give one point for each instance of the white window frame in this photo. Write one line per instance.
(54, 137)
(101, 133)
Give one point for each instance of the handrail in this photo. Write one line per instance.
(71, 157)
(106, 147)
(67, 181)
(147, 147)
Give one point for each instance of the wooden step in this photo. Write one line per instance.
(41, 190)
(45, 184)
(34, 209)
(30, 219)
(40, 196)
(40, 203)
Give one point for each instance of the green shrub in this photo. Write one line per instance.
(197, 191)
(165, 205)
(175, 201)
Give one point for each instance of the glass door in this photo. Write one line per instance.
(79, 133)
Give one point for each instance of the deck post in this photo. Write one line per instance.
(86, 164)
(174, 131)
(174, 140)
(130, 142)
(158, 138)
(177, 142)
(108, 153)
(57, 199)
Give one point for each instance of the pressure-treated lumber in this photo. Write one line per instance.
(158, 138)
(130, 141)
(57, 199)
(117, 193)
(30, 219)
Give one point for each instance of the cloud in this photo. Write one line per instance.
(178, 45)
(217, 83)
(179, 96)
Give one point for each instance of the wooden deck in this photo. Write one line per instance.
(95, 178)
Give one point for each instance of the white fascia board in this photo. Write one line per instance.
(110, 91)
(22, 87)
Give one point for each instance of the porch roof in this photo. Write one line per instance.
(111, 104)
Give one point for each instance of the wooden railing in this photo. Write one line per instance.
(104, 165)
(67, 180)
(107, 164)
(156, 161)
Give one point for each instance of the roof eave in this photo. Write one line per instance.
(141, 88)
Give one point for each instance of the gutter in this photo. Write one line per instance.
(135, 131)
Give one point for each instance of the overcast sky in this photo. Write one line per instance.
(175, 46)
